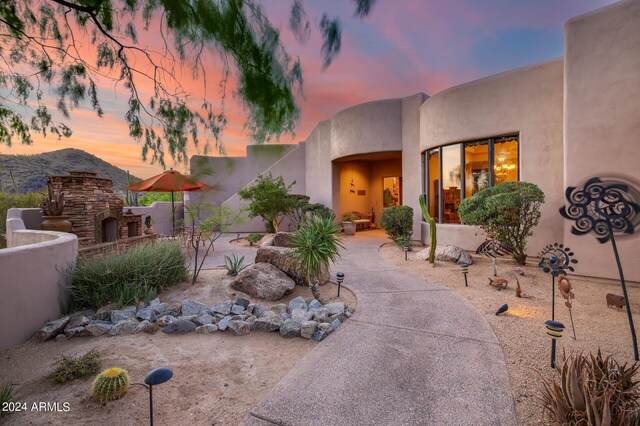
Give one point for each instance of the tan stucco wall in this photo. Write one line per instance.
(161, 218)
(32, 279)
(602, 120)
(318, 170)
(366, 128)
(291, 167)
(527, 101)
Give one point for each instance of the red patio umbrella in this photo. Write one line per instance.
(168, 181)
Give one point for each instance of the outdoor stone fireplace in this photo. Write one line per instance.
(95, 211)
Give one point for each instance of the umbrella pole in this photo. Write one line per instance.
(173, 213)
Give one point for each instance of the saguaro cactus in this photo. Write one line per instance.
(432, 227)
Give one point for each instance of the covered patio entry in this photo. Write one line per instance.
(367, 183)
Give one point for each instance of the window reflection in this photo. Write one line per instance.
(476, 167)
(451, 178)
(433, 189)
(505, 160)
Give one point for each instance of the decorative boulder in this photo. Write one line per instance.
(52, 329)
(179, 326)
(264, 281)
(191, 307)
(282, 239)
(447, 254)
(266, 240)
(279, 257)
(290, 328)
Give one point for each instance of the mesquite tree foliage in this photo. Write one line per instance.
(62, 50)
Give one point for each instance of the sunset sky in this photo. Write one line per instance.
(401, 48)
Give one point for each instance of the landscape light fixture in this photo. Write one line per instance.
(339, 278)
(406, 251)
(502, 309)
(465, 270)
(155, 377)
(554, 329)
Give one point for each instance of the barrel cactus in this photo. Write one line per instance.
(111, 384)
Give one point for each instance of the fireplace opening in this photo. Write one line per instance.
(132, 229)
(109, 230)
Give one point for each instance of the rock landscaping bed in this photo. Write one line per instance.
(298, 318)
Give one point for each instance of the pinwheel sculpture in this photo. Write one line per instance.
(556, 259)
(606, 207)
(494, 249)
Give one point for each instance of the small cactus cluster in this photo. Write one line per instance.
(110, 385)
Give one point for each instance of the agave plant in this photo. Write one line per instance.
(315, 245)
(593, 390)
(7, 395)
(233, 264)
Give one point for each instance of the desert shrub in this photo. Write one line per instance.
(10, 201)
(128, 277)
(254, 238)
(7, 394)
(233, 264)
(70, 367)
(397, 222)
(269, 199)
(507, 212)
(592, 390)
(319, 209)
(149, 198)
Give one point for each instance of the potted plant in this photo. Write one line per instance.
(148, 222)
(348, 224)
(52, 208)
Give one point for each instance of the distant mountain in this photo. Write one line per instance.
(30, 171)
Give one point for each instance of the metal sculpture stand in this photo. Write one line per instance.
(606, 207)
(555, 259)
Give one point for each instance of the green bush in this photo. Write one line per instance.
(269, 199)
(507, 212)
(319, 209)
(397, 221)
(10, 201)
(234, 265)
(149, 198)
(128, 277)
(254, 238)
(7, 395)
(70, 367)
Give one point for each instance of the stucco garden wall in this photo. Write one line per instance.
(527, 101)
(292, 169)
(32, 279)
(161, 219)
(602, 120)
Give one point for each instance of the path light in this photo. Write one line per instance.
(238, 237)
(406, 251)
(554, 329)
(339, 278)
(465, 270)
(502, 309)
(156, 377)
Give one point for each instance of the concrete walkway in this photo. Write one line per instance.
(414, 353)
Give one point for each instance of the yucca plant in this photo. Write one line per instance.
(233, 264)
(7, 394)
(315, 245)
(592, 390)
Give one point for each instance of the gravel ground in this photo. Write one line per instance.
(521, 330)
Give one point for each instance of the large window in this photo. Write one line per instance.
(465, 169)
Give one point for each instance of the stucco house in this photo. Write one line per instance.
(555, 124)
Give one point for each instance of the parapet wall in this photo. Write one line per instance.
(33, 278)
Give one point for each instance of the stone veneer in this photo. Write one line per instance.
(90, 200)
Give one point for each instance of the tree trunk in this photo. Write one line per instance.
(315, 289)
(274, 222)
(520, 258)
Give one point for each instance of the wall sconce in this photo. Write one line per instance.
(339, 278)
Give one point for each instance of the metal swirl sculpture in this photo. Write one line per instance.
(602, 207)
(557, 259)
